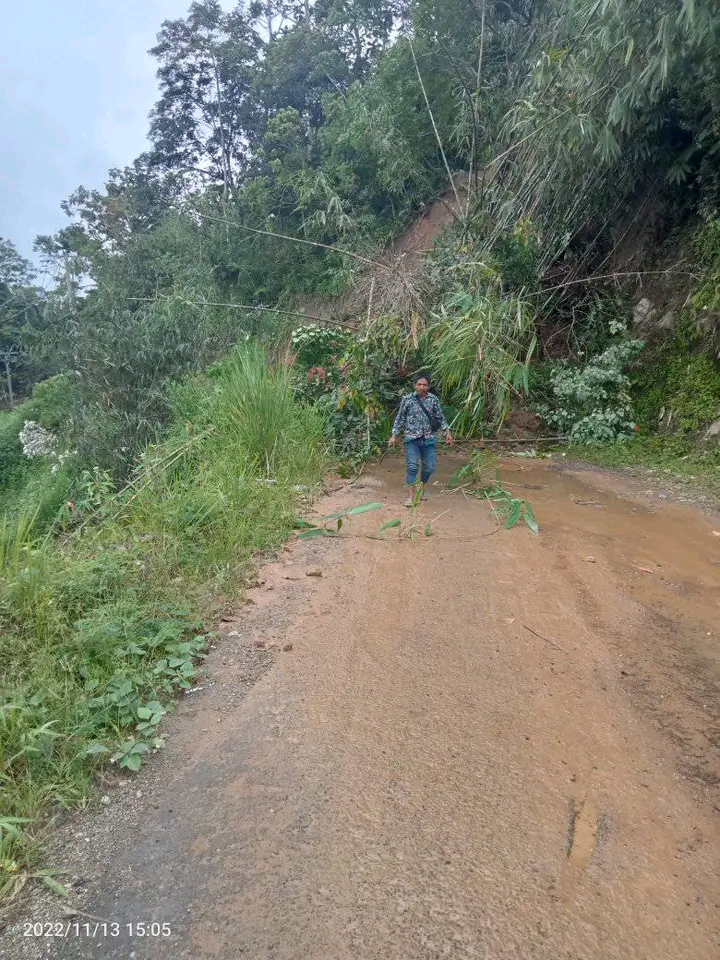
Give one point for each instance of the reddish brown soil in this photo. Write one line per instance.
(481, 745)
(395, 286)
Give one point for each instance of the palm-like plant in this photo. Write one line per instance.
(480, 346)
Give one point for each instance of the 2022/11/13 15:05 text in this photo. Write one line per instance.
(99, 929)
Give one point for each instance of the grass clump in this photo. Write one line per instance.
(103, 624)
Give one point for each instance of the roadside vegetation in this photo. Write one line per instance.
(105, 612)
(180, 378)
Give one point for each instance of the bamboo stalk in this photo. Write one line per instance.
(286, 236)
(434, 126)
(245, 306)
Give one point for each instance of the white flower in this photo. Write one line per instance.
(36, 440)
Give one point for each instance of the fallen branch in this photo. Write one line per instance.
(358, 474)
(478, 537)
(457, 489)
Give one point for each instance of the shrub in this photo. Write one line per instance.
(592, 403)
(316, 346)
(678, 388)
(517, 255)
(13, 464)
(53, 404)
(358, 393)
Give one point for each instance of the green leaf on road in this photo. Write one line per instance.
(55, 886)
(530, 518)
(514, 515)
(364, 508)
(390, 524)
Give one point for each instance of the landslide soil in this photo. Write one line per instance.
(484, 744)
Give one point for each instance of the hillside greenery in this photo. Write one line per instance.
(166, 398)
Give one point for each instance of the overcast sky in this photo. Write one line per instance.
(76, 87)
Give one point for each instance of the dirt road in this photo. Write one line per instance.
(481, 745)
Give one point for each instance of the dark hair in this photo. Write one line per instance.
(423, 376)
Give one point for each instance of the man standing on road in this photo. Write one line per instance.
(420, 417)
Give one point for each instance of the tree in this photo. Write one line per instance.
(134, 201)
(361, 29)
(20, 310)
(15, 270)
(299, 68)
(205, 123)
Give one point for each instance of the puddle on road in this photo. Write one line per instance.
(582, 835)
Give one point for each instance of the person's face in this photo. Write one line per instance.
(422, 387)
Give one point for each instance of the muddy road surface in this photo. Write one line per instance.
(479, 745)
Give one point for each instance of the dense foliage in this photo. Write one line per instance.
(290, 140)
(592, 403)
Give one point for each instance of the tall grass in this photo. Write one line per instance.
(99, 629)
(254, 410)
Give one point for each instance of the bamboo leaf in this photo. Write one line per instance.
(514, 514)
(310, 534)
(7, 886)
(530, 518)
(54, 885)
(390, 524)
(364, 508)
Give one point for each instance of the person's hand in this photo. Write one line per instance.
(392, 442)
(449, 438)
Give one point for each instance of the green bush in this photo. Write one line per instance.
(679, 392)
(40, 484)
(358, 393)
(480, 348)
(14, 466)
(517, 255)
(53, 404)
(707, 298)
(317, 346)
(592, 403)
(592, 331)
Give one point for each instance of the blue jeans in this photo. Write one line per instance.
(415, 451)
